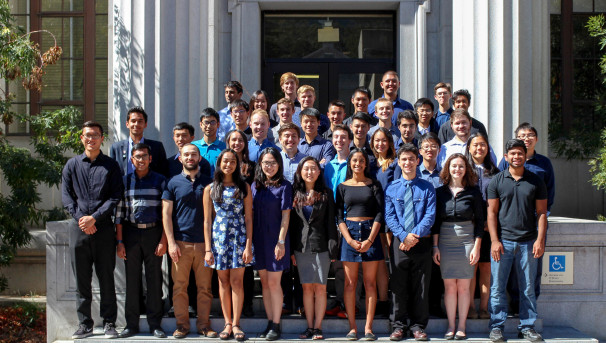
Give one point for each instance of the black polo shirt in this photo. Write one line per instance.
(517, 219)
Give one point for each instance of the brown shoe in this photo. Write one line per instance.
(484, 314)
(472, 314)
(208, 332)
(181, 332)
(420, 335)
(397, 334)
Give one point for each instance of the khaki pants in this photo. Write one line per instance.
(192, 256)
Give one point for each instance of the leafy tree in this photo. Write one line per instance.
(597, 28)
(52, 135)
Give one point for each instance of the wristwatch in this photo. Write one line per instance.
(281, 242)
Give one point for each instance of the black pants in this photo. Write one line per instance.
(409, 284)
(291, 286)
(249, 287)
(140, 245)
(86, 251)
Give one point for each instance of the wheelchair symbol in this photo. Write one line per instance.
(555, 265)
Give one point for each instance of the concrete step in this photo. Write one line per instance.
(550, 334)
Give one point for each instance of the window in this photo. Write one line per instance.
(80, 76)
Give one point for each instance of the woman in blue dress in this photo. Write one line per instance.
(228, 236)
(272, 201)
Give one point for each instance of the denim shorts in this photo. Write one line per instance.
(360, 231)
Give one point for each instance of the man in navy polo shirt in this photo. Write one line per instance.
(517, 202)
(313, 144)
(183, 219)
(442, 94)
(391, 84)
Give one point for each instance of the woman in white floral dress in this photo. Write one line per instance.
(228, 237)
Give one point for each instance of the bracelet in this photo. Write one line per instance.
(120, 241)
(371, 242)
(435, 246)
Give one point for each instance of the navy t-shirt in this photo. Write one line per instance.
(188, 211)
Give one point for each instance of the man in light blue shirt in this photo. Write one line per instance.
(210, 146)
(259, 124)
(289, 140)
(410, 210)
(233, 91)
(336, 169)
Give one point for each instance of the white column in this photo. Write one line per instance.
(407, 50)
(501, 55)
(246, 45)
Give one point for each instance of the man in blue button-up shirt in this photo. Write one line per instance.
(391, 84)
(313, 144)
(259, 123)
(410, 249)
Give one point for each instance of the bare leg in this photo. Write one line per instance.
(464, 298)
(450, 302)
(320, 304)
(382, 273)
(276, 295)
(266, 294)
(225, 294)
(308, 303)
(237, 289)
(349, 294)
(484, 285)
(472, 288)
(369, 269)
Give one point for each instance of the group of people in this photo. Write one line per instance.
(396, 199)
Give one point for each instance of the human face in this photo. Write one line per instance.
(190, 158)
(384, 110)
(335, 115)
(307, 99)
(289, 87)
(461, 126)
(429, 150)
(529, 137)
(141, 159)
(380, 143)
(136, 124)
(407, 128)
(442, 96)
(259, 125)
(285, 112)
(260, 102)
(461, 102)
(228, 164)
(309, 124)
(360, 129)
(340, 140)
(478, 149)
(231, 94)
(209, 126)
(269, 165)
(358, 163)
(182, 137)
(236, 143)
(239, 115)
(360, 102)
(390, 84)
(310, 172)
(516, 157)
(91, 138)
(425, 113)
(457, 169)
(289, 139)
(408, 163)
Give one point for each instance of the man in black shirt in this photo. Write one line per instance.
(92, 187)
(517, 201)
(184, 133)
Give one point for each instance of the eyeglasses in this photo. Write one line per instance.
(92, 137)
(423, 111)
(209, 123)
(239, 111)
(529, 136)
(269, 164)
(141, 157)
(430, 147)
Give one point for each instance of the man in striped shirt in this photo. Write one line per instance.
(141, 240)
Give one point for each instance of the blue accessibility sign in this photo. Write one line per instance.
(557, 263)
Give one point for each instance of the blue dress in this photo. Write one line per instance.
(268, 204)
(229, 232)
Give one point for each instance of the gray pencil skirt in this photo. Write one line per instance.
(313, 266)
(455, 244)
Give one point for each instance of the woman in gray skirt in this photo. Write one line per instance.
(313, 240)
(457, 237)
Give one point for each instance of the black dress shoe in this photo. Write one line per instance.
(128, 332)
(159, 333)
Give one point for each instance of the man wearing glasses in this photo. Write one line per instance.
(91, 189)
(442, 94)
(210, 147)
(136, 122)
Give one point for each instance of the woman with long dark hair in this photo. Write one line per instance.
(313, 236)
(477, 151)
(359, 203)
(228, 237)
(457, 236)
(237, 141)
(272, 201)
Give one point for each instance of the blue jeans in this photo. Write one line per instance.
(518, 255)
